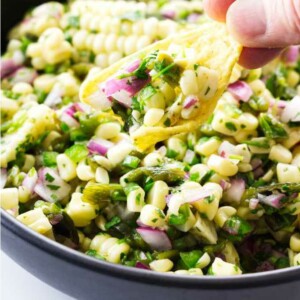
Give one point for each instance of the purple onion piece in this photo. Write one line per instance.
(133, 66)
(193, 18)
(253, 203)
(55, 219)
(258, 172)
(142, 266)
(99, 146)
(169, 14)
(240, 90)
(236, 191)
(30, 181)
(156, 239)
(255, 163)
(50, 186)
(23, 74)
(190, 101)
(8, 66)
(273, 200)
(194, 195)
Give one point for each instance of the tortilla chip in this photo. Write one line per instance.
(216, 49)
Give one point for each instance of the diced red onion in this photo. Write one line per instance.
(255, 163)
(55, 219)
(168, 198)
(236, 190)
(123, 97)
(99, 146)
(142, 266)
(197, 194)
(98, 100)
(54, 97)
(70, 111)
(193, 17)
(186, 176)
(291, 54)
(226, 149)
(271, 200)
(133, 66)
(169, 14)
(240, 90)
(258, 172)
(131, 85)
(279, 103)
(70, 121)
(82, 107)
(292, 111)
(253, 203)
(156, 239)
(30, 181)
(23, 75)
(3, 178)
(190, 101)
(43, 186)
(140, 223)
(7, 67)
(224, 184)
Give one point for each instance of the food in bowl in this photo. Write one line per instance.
(222, 199)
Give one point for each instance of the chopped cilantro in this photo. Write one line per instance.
(182, 216)
(271, 127)
(112, 222)
(52, 187)
(49, 158)
(206, 176)
(230, 126)
(49, 178)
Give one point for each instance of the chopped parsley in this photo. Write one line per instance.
(112, 222)
(230, 126)
(49, 178)
(49, 158)
(271, 127)
(53, 187)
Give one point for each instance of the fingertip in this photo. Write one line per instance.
(245, 22)
(217, 9)
(253, 58)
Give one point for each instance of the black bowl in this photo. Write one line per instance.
(86, 278)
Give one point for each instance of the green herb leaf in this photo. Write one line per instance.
(271, 127)
(113, 222)
(49, 158)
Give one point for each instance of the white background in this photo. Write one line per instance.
(18, 284)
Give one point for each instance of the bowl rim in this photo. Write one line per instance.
(143, 276)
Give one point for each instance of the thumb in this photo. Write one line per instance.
(265, 23)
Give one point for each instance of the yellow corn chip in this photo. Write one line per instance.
(215, 49)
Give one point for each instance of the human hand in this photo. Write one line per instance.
(263, 27)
